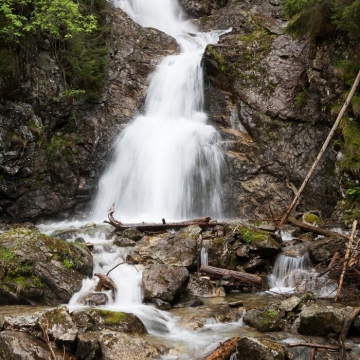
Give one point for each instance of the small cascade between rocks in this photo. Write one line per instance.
(293, 273)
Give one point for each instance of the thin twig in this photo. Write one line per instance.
(124, 262)
(46, 336)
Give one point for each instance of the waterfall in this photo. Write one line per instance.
(167, 162)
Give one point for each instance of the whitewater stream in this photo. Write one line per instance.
(167, 162)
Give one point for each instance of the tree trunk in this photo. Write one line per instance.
(163, 226)
(224, 350)
(242, 277)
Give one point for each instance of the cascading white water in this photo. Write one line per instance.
(295, 274)
(167, 162)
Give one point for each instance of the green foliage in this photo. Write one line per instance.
(272, 313)
(346, 70)
(58, 19)
(300, 98)
(350, 161)
(68, 263)
(248, 237)
(317, 17)
(353, 193)
(218, 57)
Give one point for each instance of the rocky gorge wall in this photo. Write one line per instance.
(268, 94)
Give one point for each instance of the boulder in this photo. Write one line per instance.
(165, 282)
(16, 345)
(180, 248)
(97, 320)
(123, 242)
(60, 328)
(88, 347)
(323, 249)
(200, 286)
(94, 299)
(113, 343)
(250, 348)
(318, 320)
(266, 319)
(40, 269)
(132, 234)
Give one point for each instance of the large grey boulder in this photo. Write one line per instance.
(40, 269)
(115, 345)
(179, 249)
(16, 345)
(266, 319)
(321, 320)
(323, 249)
(166, 282)
(250, 348)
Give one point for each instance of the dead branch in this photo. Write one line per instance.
(203, 222)
(351, 239)
(224, 350)
(333, 260)
(314, 229)
(104, 282)
(45, 329)
(349, 319)
(322, 150)
(317, 346)
(124, 262)
(244, 278)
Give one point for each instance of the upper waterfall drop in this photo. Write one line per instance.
(167, 162)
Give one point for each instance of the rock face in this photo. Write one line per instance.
(269, 99)
(259, 349)
(40, 269)
(52, 148)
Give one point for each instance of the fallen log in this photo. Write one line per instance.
(314, 229)
(203, 222)
(224, 350)
(242, 277)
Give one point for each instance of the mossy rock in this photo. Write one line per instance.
(267, 319)
(312, 219)
(117, 321)
(38, 268)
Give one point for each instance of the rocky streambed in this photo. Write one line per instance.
(161, 306)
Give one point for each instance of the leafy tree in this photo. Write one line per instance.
(58, 19)
(318, 17)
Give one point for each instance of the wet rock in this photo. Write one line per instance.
(94, 299)
(161, 304)
(236, 304)
(188, 301)
(259, 349)
(113, 343)
(201, 8)
(204, 314)
(267, 319)
(312, 219)
(16, 345)
(88, 347)
(254, 264)
(40, 269)
(165, 282)
(123, 242)
(321, 320)
(133, 234)
(180, 248)
(200, 286)
(21, 322)
(323, 249)
(60, 328)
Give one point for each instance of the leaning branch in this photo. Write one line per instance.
(224, 350)
(322, 150)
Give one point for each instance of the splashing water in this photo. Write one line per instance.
(295, 274)
(167, 162)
